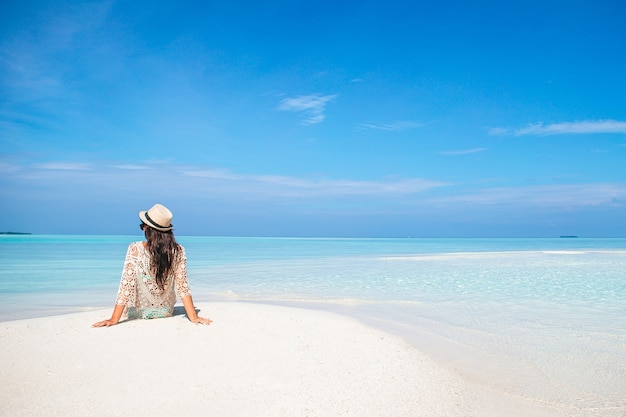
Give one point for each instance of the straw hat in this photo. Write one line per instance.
(158, 217)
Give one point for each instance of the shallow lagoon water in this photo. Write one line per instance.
(538, 319)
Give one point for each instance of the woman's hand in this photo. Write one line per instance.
(201, 320)
(192, 315)
(115, 318)
(105, 323)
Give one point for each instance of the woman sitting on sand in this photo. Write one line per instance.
(151, 270)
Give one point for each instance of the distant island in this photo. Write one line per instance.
(15, 233)
(568, 236)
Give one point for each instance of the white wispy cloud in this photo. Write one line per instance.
(131, 167)
(209, 191)
(213, 183)
(312, 106)
(215, 174)
(6, 167)
(64, 166)
(548, 196)
(217, 183)
(393, 126)
(575, 128)
(499, 131)
(280, 185)
(464, 152)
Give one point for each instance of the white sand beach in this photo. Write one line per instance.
(254, 360)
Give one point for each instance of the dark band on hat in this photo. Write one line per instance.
(154, 223)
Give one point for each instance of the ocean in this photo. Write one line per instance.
(538, 319)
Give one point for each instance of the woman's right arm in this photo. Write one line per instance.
(183, 291)
(190, 309)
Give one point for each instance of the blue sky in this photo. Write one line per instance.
(315, 118)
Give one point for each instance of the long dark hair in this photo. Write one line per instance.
(163, 252)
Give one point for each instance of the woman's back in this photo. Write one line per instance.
(155, 271)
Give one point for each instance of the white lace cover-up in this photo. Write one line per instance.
(139, 291)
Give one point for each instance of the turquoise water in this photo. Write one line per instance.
(540, 319)
(68, 269)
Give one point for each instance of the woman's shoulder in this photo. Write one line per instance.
(135, 248)
(181, 251)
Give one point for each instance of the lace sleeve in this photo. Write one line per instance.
(127, 290)
(180, 275)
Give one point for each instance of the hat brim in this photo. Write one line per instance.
(149, 223)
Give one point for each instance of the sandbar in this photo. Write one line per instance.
(253, 360)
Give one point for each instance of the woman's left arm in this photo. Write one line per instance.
(115, 317)
(126, 290)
